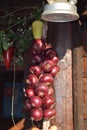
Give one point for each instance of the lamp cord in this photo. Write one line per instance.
(13, 97)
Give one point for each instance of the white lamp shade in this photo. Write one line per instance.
(60, 12)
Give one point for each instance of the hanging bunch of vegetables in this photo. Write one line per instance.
(39, 92)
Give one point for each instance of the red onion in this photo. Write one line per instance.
(50, 53)
(48, 46)
(55, 70)
(38, 46)
(48, 101)
(46, 78)
(55, 59)
(36, 114)
(27, 105)
(49, 113)
(41, 90)
(32, 79)
(35, 69)
(47, 65)
(36, 58)
(36, 101)
(29, 92)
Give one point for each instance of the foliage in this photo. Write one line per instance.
(16, 31)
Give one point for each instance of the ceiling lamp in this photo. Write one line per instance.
(60, 11)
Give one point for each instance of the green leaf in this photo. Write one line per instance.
(1, 34)
(1, 50)
(5, 45)
(20, 61)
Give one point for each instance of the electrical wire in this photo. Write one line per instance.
(13, 97)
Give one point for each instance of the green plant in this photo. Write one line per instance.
(17, 31)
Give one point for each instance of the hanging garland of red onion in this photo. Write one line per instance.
(39, 91)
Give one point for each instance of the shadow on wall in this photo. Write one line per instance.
(65, 36)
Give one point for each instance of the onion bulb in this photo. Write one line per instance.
(27, 105)
(48, 46)
(38, 46)
(48, 101)
(41, 90)
(47, 65)
(36, 114)
(49, 113)
(46, 78)
(55, 70)
(36, 101)
(29, 92)
(55, 59)
(50, 53)
(32, 79)
(35, 69)
(36, 58)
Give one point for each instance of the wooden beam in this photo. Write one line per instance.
(63, 88)
(77, 76)
(78, 88)
(63, 80)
